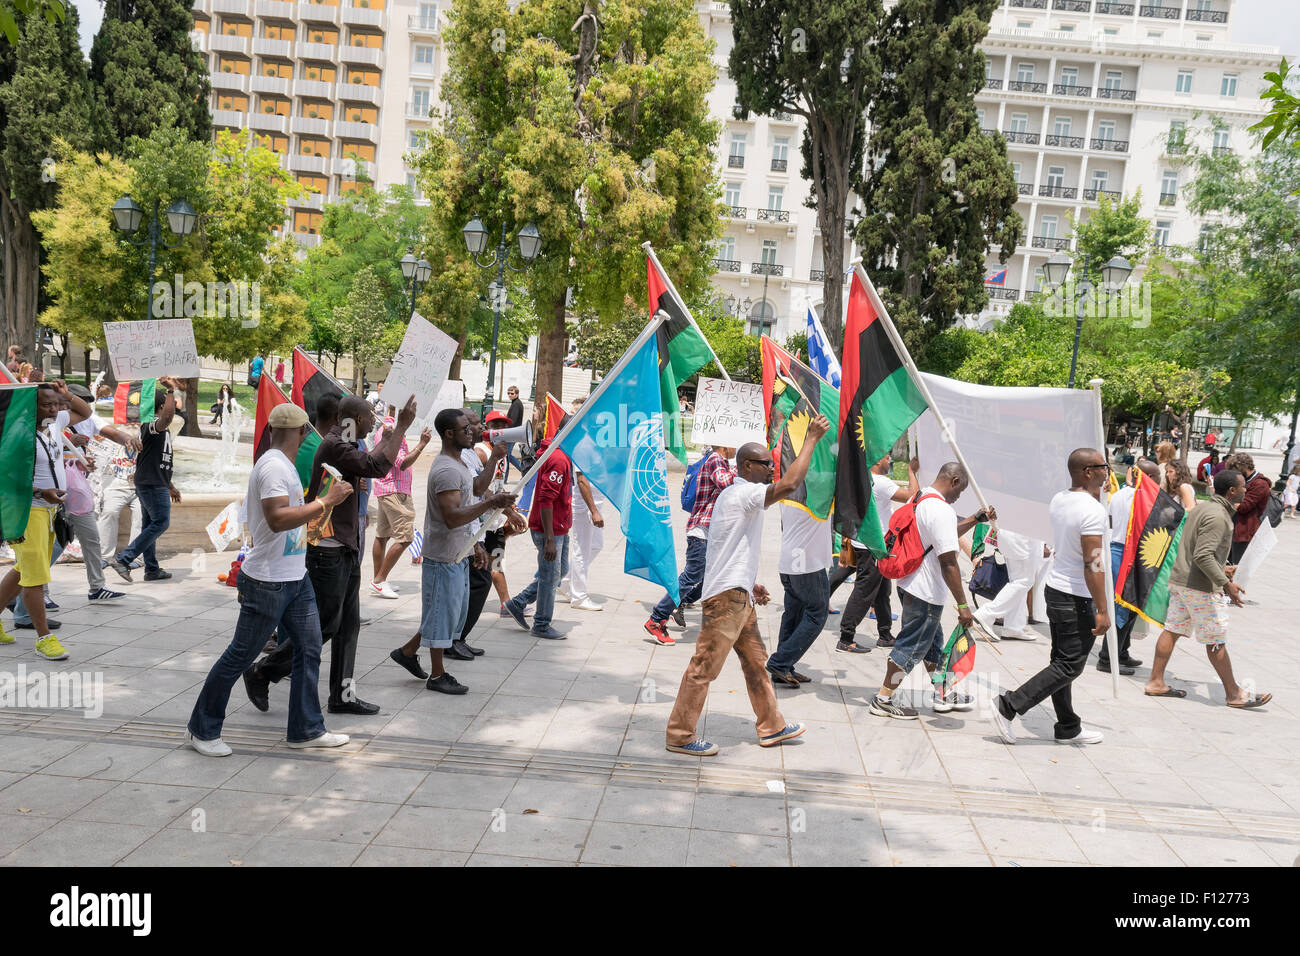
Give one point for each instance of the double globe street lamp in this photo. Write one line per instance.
(128, 215)
(476, 240)
(1113, 276)
(416, 272)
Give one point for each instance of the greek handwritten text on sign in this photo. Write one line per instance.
(728, 414)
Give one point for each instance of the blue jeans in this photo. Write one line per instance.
(1122, 614)
(542, 587)
(263, 607)
(920, 633)
(444, 601)
(690, 582)
(807, 602)
(156, 510)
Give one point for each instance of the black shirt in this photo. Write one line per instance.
(354, 464)
(516, 413)
(153, 464)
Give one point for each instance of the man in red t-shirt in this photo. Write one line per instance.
(549, 521)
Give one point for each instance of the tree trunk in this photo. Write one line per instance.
(85, 356)
(1185, 445)
(20, 276)
(550, 353)
(191, 429)
(453, 373)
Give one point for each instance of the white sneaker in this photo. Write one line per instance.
(587, 604)
(384, 590)
(1026, 633)
(1000, 723)
(952, 701)
(1086, 736)
(326, 739)
(985, 627)
(209, 748)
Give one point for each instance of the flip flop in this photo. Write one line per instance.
(1168, 692)
(1258, 700)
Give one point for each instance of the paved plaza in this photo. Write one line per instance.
(556, 755)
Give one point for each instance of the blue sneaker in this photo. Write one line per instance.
(550, 634)
(696, 748)
(50, 605)
(518, 615)
(872, 615)
(104, 594)
(790, 732)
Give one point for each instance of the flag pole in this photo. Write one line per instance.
(882, 314)
(1112, 635)
(649, 251)
(485, 519)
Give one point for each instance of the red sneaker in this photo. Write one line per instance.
(660, 633)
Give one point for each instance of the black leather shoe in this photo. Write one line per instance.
(412, 663)
(458, 651)
(476, 651)
(1129, 662)
(50, 624)
(446, 684)
(159, 575)
(358, 707)
(1124, 669)
(259, 690)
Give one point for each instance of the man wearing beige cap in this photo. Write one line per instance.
(275, 591)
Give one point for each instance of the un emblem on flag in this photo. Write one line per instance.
(649, 466)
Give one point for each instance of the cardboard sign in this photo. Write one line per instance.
(451, 395)
(728, 414)
(150, 348)
(420, 366)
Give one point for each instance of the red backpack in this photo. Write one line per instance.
(903, 541)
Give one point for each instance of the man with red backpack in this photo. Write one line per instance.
(922, 540)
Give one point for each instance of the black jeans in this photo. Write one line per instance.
(480, 585)
(1072, 620)
(1237, 549)
(336, 579)
(1125, 637)
(877, 600)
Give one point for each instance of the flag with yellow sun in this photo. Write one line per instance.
(794, 395)
(1150, 547)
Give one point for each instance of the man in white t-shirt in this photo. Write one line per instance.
(924, 591)
(805, 556)
(730, 593)
(275, 592)
(1078, 603)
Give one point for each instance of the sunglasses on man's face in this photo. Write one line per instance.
(761, 462)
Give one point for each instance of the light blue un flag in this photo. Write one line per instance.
(617, 441)
(821, 357)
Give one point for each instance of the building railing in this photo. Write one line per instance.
(816, 275)
(1025, 189)
(417, 23)
(735, 162)
(1050, 242)
(773, 215)
(1118, 9)
(1222, 150)
(1160, 13)
(1175, 147)
(726, 265)
(1208, 16)
(739, 212)
(1115, 93)
(992, 83)
(778, 165)
(989, 132)
(1069, 142)
(1030, 4)
(1092, 195)
(1015, 136)
(781, 116)
(1059, 192)
(1026, 86)
(998, 292)
(1111, 145)
(766, 269)
(1074, 6)
(1168, 199)
(1068, 89)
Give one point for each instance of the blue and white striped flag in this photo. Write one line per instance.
(821, 358)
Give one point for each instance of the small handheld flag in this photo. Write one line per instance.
(821, 357)
(958, 658)
(133, 402)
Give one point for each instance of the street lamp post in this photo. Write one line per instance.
(734, 303)
(180, 219)
(530, 244)
(416, 272)
(1113, 276)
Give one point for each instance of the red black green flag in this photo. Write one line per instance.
(1150, 547)
(958, 658)
(269, 396)
(793, 395)
(311, 383)
(556, 416)
(18, 452)
(133, 402)
(879, 400)
(683, 351)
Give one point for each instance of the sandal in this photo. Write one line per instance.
(1256, 700)
(1168, 692)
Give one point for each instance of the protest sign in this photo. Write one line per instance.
(420, 366)
(451, 395)
(1260, 545)
(728, 414)
(225, 527)
(150, 348)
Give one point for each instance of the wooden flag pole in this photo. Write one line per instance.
(649, 251)
(1112, 635)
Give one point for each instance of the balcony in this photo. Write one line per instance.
(989, 132)
(1019, 136)
(423, 26)
(1115, 9)
(310, 126)
(327, 52)
(237, 8)
(282, 49)
(417, 111)
(1066, 142)
(992, 83)
(359, 93)
(766, 269)
(1030, 4)
(1025, 189)
(363, 55)
(1050, 242)
(1066, 89)
(1074, 6)
(739, 212)
(350, 129)
(268, 123)
(772, 215)
(307, 240)
(318, 13)
(271, 84)
(1159, 13)
(310, 201)
(780, 116)
(1168, 199)
(362, 17)
(299, 163)
(230, 82)
(1026, 86)
(1092, 195)
(316, 89)
(1115, 93)
(735, 162)
(778, 165)
(1222, 150)
(275, 10)
(816, 275)
(1208, 16)
(1111, 145)
(1059, 192)
(223, 43)
(231, 118)
(726, 265)
(997, 292)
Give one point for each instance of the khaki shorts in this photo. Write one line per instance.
(396, 518)
(32, 554)
(1196, 613)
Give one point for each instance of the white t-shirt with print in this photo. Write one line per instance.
(276, 555)
(49, 442)
(735, 539)
(937, 522)
(1073, 514)
(805, 542)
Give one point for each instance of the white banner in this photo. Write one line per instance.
(148, 349)
(728, 414)
(1016, 441)
(1260, 545)
(420, 366)
(225, 527)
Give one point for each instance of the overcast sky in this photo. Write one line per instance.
(1252, 21)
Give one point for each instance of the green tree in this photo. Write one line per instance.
(12, 12)
(597, 130)
(937, 191)
(141, 61)
(1112, 229)
(1283, 119)
(44, 96)
(818, 60)
(362, 322)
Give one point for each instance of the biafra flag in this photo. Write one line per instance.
(879, 401)
(793, 395)
(555, 418)
(133, 402)
(958, 658)
(269, 396)
(18, 452)
(1150, 547)
(311, 383)
(682, 352)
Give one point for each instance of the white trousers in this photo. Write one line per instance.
(585, 543)
(1026, 571)
(116, 497)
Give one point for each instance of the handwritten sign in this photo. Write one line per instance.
(451, 395)
(728, 414)
(420, 366)
(153, 347)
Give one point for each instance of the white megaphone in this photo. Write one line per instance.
(523, 434)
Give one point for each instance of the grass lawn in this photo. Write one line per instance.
(244, 394)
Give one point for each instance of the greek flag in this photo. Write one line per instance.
(821, 358)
